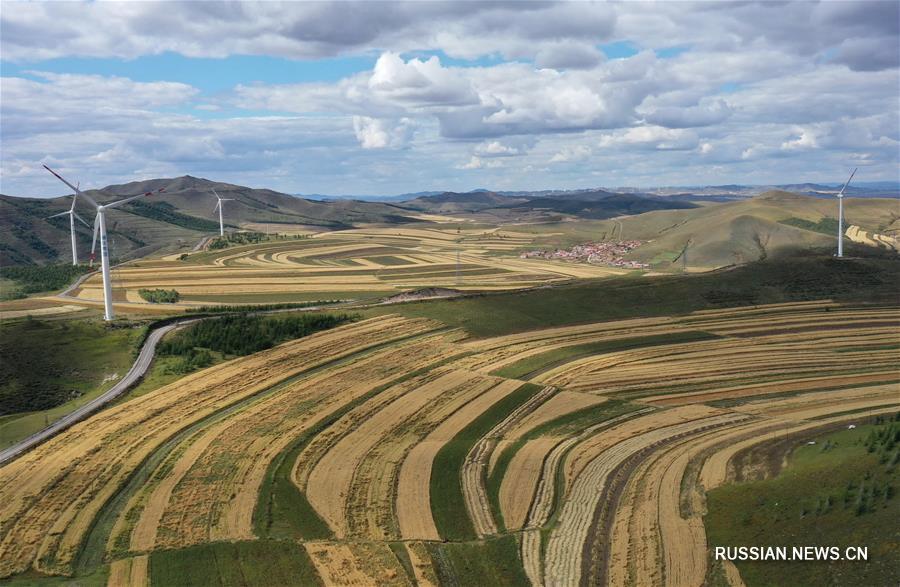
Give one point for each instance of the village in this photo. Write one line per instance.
(610, 253)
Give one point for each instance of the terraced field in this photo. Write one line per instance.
(397, 451)
(350, 264)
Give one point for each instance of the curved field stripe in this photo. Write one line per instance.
(558, 428)
(536, 364)
(448, 504)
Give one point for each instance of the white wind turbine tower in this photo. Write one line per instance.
(100, 225)
(72, 216)
(219, 208)
(840, 196)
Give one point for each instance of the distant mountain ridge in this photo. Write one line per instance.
(726, 192)
(183, 213)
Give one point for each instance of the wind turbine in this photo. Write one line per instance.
(219, 207)
(72, 216)
(100, 225)
(840, 197)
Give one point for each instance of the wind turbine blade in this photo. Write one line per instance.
(60, 214)
(216, 194)
(94, 240)
(61, 178)
(77, 191)
(80, 219)
(216, 207)
(846, 183)
(227, 199)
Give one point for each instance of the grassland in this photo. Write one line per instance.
(782, 279)
(841, 491)
(50, 367)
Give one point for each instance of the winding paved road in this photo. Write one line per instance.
(140, 366)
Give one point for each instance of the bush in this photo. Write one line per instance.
(160, 296)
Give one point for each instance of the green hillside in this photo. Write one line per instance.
(179, 216)
(721, 234)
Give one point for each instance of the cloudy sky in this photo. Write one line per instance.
(381, 98)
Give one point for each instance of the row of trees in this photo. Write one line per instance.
(40, 278)
(243, 334)
(262, 307)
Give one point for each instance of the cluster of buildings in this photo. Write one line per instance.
(609, 253)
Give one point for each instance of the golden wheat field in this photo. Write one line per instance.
(389, 450)
(350, 264)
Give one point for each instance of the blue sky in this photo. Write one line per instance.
(391, 97)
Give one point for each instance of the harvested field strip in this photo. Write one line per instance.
(474, 469)
(662, 505)
(418, 474)
(781, 387)
(159, 487)
(335, 481)
(448, 504)
(70, 474)
(592, 446)
(582, 521)
(129, 572)
(356, 564)
(534, 365)
(561, 404)
(283, 510)
(237, 463)
(234, 564)
(371, 497)
(706, 367)
(514, 480)
(812, 405)
(548, 497)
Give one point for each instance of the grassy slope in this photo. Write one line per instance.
(789, 278)
(789, 510)
(722, 234)
(63, 356)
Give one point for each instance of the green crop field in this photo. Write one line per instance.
(492, 562)
(234, 564)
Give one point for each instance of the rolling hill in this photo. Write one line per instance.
(597, 205)
(453, 202)
(747, 230)
(183, 213)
